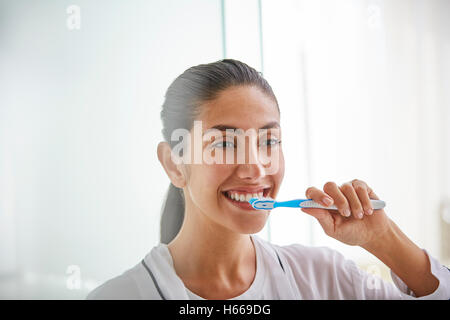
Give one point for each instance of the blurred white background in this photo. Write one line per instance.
(364, 92)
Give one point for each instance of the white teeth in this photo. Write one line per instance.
(243, 197)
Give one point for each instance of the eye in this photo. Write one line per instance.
(270, 142)
(223, 144)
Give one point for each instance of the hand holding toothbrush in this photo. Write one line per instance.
(373, 231)
(354, 222)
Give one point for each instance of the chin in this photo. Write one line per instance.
(253, 225)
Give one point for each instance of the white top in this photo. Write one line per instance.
(301, 272)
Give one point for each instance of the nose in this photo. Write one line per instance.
(252, 169)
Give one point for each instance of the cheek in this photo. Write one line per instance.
(279, 174)
(204, 188)
(275, 166)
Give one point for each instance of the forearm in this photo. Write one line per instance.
(405, 259)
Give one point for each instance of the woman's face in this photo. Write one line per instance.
(256, 167)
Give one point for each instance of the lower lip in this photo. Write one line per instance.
(242, 205)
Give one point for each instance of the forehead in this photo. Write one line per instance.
(241, 107)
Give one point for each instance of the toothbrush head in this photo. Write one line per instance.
(262, 203)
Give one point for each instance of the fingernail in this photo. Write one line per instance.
(347, 212)
(360, 215)
(327, 201)
(369, 211)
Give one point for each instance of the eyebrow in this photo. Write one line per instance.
(223, 127)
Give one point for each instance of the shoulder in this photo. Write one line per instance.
(121, 287)
(133, 284)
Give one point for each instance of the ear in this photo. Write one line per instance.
(172, 169)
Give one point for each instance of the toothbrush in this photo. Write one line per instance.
(269, 204)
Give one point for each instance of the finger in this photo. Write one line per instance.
(352, 198)
(339, 199)
(361, 190)
(319, 196)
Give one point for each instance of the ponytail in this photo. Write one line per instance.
(172, 214)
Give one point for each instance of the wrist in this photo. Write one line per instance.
(384, 241)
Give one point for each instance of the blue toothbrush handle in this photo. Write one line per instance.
(291, 203)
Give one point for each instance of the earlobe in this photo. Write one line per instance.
(173, 171)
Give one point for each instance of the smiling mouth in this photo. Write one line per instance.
(240, 198)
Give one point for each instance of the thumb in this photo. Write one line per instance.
(324, 217)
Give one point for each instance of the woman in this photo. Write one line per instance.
(208, 249)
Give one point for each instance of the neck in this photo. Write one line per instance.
(206, 250)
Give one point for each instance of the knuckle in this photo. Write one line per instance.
(359, 182)
(346, 186)
(341, 203)
(309, 191)
(329, 185)
(360, 187)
